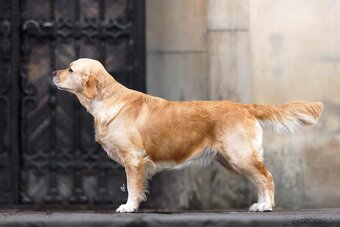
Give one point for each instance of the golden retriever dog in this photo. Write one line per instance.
(146, 134)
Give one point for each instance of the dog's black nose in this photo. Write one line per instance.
(54, 73)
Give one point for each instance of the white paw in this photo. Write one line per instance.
(126, 208)
(260, 207)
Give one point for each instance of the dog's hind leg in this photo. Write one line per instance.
(256, 172)
(263, 181)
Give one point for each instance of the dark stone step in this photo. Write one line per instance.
(319, 217)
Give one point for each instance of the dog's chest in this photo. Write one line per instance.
(105, 139)
(104, 116)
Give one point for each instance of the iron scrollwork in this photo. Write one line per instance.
(90, 29)
(53, 166)
(8, 102)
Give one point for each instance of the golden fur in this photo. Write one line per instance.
(146, 134)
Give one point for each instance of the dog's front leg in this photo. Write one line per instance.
(135, 185)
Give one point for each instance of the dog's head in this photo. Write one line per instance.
(80, 78)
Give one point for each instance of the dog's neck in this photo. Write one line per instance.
(109, 91)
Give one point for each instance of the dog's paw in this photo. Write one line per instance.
(261, 207)
(126, 208)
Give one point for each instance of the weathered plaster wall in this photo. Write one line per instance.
(294, 56)
(251, 51)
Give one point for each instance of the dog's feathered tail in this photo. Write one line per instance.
(288, 117)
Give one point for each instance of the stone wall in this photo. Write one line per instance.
(251, 51)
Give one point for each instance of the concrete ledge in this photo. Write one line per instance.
(321, 217)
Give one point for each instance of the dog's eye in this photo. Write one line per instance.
(70, 70)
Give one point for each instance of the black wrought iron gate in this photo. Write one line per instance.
(47, 149)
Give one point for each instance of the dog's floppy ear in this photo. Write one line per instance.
(90, 87)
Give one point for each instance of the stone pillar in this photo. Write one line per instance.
(198, 49)
(176, 49)
(176, 70)
(228, 50)
(229, 78)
